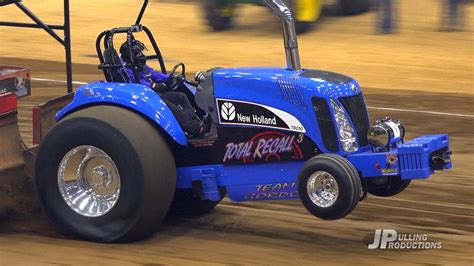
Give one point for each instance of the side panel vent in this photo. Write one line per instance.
(290, 90)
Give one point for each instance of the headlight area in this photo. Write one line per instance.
(386, 133)
(347, 135)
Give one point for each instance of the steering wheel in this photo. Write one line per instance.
(174, 81)
(180, 79)
(173, 71)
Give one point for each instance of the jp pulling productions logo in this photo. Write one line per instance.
(391, 239)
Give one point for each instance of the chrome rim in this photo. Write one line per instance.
(89, 181)
(322, 189)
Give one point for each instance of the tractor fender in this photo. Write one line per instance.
(136, 97)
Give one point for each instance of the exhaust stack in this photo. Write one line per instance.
(289, 33)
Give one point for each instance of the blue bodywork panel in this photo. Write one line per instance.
(410, 160)
(244, 182)
(134, 96)
(415, 156)
(284, 89)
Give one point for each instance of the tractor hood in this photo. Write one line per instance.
(279, 98)
(296, 86)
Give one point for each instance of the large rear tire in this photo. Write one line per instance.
(119, 162)
(329, 186)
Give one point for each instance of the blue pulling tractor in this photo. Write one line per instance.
(117, 161)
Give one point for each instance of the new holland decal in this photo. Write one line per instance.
(232, 112)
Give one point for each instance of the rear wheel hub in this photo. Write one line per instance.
(89, 181)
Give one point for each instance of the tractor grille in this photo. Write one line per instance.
(357, 110)
(326, 123)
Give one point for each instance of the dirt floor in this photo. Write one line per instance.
(418, 69)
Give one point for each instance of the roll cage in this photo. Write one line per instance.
(105, 40)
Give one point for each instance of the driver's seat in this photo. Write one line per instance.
(117, 72)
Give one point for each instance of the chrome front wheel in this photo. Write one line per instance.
(329, 186)
(89, 181)
(322, 189)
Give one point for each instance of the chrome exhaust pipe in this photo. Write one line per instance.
(289, 33)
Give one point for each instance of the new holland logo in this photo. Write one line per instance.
(228, 111)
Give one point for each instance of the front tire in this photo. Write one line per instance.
(329, 186)
(387, 186)
(105, 154)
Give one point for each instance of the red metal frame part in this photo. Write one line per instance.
(8, 102)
